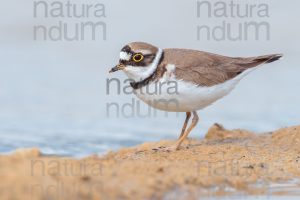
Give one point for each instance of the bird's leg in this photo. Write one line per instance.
(186, 133)
(187, 118)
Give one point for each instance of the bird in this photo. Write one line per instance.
(199, 78)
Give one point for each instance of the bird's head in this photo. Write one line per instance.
(138, 60)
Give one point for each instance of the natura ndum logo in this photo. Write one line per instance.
(235, 20)
(69, 21)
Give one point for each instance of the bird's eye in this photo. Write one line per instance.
(138, 57)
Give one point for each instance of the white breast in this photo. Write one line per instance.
(174, 95)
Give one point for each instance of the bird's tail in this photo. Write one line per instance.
(268, 58)
(259, 60)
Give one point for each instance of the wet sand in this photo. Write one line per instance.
(223, 163)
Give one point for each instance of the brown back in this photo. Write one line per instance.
(207, 69)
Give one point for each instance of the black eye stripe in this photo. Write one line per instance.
(148, 55)
(147, 58)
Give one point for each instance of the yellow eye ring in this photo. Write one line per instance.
(138, 57)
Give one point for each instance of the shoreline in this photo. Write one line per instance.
(225, 162)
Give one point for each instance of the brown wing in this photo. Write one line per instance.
(207, 69)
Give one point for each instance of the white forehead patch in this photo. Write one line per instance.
(125, 56)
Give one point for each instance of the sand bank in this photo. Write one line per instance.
(223, 163)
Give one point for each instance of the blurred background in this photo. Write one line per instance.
(53, 94)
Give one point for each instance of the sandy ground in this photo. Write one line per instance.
(223, 163)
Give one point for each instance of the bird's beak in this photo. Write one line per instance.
(117, 68)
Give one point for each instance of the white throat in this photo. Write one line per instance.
(141, 73)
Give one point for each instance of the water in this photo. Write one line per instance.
(53, 94)
(284, 190)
